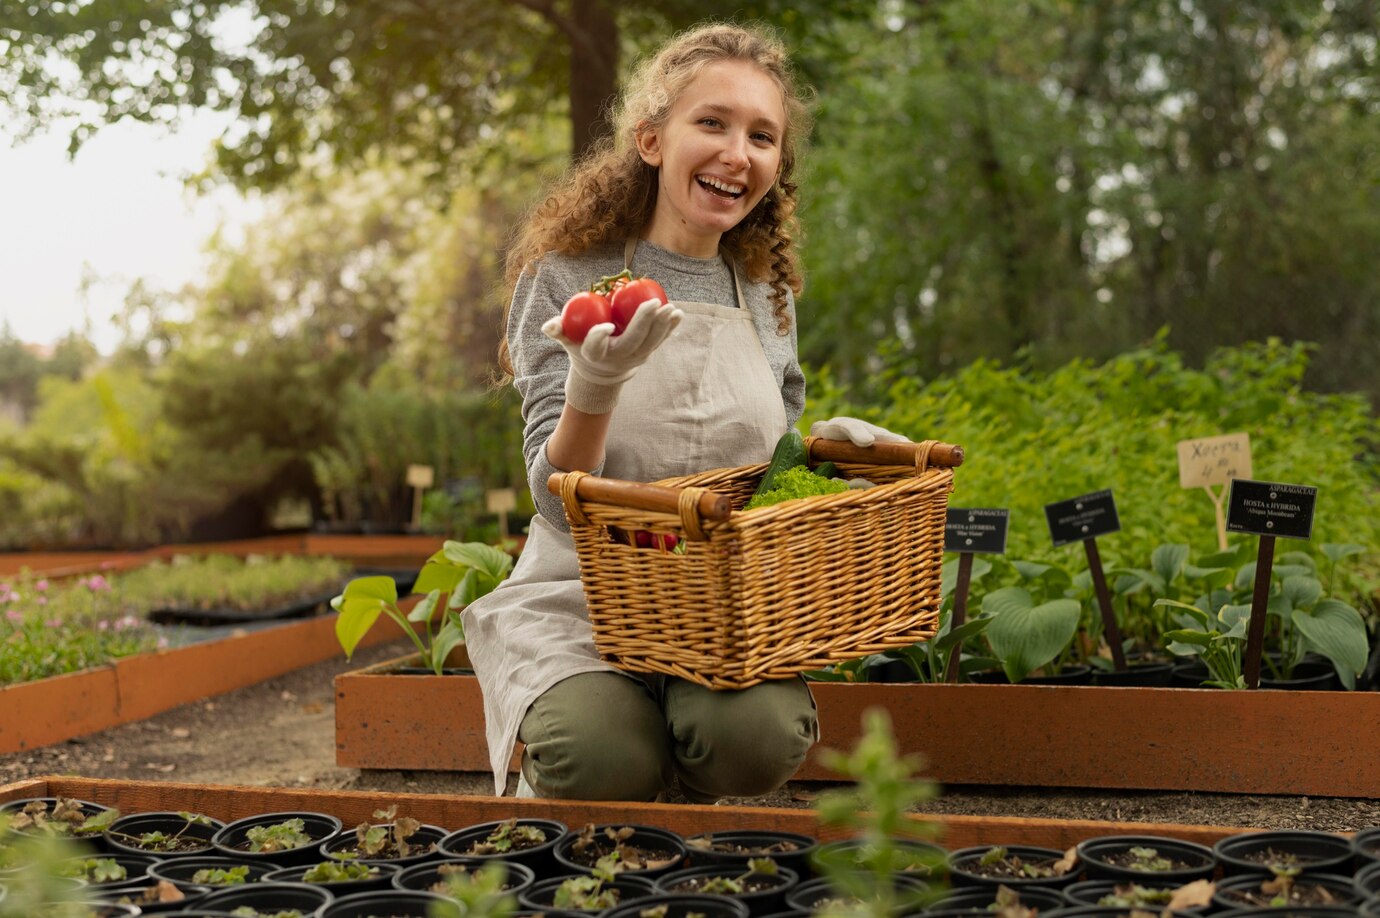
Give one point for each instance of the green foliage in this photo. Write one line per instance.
(113, 471)
(338, 872)
(281, 836)
(1087, 174)
(1033, 437)
(221, 876)
(464, 571)
(384, 428)
(1026, 636)
(48, 630)
(875, 808)
(793, 484)
(257, 582)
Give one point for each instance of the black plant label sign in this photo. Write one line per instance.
(976, 529)
(1082, 518)
(1271, 508)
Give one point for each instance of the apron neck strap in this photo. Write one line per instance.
(631, 246)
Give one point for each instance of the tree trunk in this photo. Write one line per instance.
(593, 73)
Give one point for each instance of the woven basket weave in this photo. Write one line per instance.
(772, 592)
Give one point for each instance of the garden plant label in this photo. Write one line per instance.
(1082, 518)
(1214, 460)
(1271, 509)
(976, 529)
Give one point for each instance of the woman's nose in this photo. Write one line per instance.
(734, 153)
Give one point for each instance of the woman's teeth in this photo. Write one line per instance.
(722, 189)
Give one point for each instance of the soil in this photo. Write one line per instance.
(1301, 893)
(282, 733)
(1016, 868)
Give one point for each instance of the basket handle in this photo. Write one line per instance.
(943, 455)
(573, 487)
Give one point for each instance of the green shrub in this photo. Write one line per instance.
(1032, 439)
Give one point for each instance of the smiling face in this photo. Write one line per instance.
(717, 154)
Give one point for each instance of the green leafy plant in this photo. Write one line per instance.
(875, 810)
(1299, 618)
(477, 893)
(221, 876)
(507, 836)
(65, 819)
(588, 893)
(338, 872)
(462, 570)
(281, 836)
(164, 842)
(1044, 435)
(1148, 859)
(385, 839)
(94, 870)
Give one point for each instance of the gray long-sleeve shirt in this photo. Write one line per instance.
(540, 365)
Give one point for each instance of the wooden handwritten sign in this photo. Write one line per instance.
(1214, 460)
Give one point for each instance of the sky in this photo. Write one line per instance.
(118, 212)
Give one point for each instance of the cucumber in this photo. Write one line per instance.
(827, 470)
(789, 452)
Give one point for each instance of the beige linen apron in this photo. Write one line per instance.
(707, 398)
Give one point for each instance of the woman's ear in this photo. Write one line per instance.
(648, 141)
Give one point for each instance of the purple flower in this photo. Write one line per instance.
(102, 625)
(42, 600)
(96, 583)
(52, 623)
(41, 586)
(15, 616)
(128, 621)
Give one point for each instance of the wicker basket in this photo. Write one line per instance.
(771, 592)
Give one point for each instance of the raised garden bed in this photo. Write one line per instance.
(1262, 742)
(52, 710)
(228, 803)
(401, 551)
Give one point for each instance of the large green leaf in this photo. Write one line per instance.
(1235, 620)
(1302, 591)
(948, 574)
(1133, 580)
(438, 574)
(484, 558)
(1193, 613)
(361, 604)
(1337, 631)
(1168, 560)
(423, 610)
(448, 638)
(1026, 637)
(1337, 552)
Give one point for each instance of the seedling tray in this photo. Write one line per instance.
(229, 802)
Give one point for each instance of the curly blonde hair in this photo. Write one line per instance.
(611, 193)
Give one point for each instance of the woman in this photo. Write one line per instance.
(695, 190)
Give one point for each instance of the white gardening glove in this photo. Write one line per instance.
(860, 432)
(602, 363)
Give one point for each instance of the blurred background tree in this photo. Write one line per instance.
(1028, 181)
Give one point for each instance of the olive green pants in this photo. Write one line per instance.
(606, 736)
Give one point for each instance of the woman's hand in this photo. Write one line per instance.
(860, 432)
(602, 362)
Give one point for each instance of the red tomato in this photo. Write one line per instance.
(582, 312)
(627, 297)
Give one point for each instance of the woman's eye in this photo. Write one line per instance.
(712, 122)
(763, 138)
